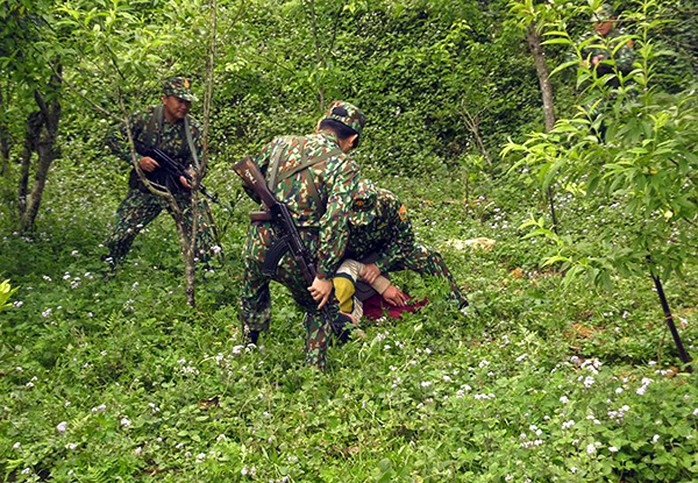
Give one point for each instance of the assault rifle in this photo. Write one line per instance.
(170, 166)
(290, 241)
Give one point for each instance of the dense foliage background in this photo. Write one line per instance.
(569, 373)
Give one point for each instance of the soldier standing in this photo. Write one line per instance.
(315, 178)
(169, 128)
(381, 237)
(602, 53)
(598, 52)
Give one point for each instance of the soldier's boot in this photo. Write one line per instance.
(342, 326)
(108, 269)
(252, 337)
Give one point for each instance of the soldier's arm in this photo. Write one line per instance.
(334, 225)
(401, 241)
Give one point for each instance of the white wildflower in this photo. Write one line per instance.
(568, 424)
(62, 426)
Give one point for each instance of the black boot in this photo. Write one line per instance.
(341, 327)
(252, 337)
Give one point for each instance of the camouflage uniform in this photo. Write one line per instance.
(318, 198)
(379, 228)
(140, 206)
(612, 64)
(604, 46)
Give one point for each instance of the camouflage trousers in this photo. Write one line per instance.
(430, 263)
(256, 300)
(138, 209)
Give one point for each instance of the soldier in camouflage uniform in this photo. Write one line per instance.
(315, 178)
(380, 235)
(598, 54)
(170, 128)
(598, 51)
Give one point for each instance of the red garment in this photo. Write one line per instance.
(375, 308)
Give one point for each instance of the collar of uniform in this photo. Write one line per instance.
(330, 136)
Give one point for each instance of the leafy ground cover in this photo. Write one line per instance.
(118, 379)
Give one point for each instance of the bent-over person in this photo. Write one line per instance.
(382, 239)
(314, 176)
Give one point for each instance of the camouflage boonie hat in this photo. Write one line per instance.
(603, 13)
(179, 87)
(347, 114)
(363, 204)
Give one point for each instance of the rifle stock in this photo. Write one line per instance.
(254, 180)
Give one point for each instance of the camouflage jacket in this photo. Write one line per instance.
(318, 197)
(170, 138)
(604, 46)
(388, 233)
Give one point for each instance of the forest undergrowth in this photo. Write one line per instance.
(106, 379)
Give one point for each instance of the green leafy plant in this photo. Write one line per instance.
(643, 168)
(6, 292)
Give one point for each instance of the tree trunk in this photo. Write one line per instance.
(534, 44)
(4, 140)
(546, 89)
(668, 317)
(46, 149)
(31, 140)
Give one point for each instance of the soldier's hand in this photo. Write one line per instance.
(370, 272)
(185, 182)
(320, 290)
(394, 296)
(148, 164)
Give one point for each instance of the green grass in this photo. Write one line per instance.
(551, 382)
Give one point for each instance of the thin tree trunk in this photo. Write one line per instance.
(534, 44)
(668, 317)
(51, 115)
(546, 89)
(473, 125)
(4, 140)
(31, 140)
(187, 243)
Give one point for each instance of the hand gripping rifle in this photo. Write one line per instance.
(290, 240)
(170, 166)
